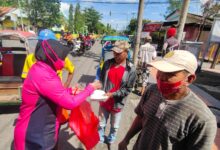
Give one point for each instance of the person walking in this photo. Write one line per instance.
(37, 125)
(171, 42)
(117, 77)
(147, 54)
(170, 116)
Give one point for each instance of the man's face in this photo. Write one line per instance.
(120, 57)
(171, 84)
(171, 77)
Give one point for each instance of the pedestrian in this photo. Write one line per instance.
(146, 55)
(170, 116)
(171, 42)
(117, 77)
(30, 59)
(42, 94)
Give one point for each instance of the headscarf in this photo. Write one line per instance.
(61, 51)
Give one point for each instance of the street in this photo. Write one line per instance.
(85, 69)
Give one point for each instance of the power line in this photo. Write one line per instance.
(110, 2)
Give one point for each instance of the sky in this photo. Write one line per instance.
(122, 13)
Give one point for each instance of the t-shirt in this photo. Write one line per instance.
(172, 43)
(185, 124)
(30, 60)
(146, 54)
(114, 80)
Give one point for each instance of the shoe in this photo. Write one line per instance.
(111, 139)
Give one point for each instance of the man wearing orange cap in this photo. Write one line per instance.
(171, 42)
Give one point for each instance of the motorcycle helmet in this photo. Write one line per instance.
(46, 34)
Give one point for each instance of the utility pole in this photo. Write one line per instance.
(182, 19)
(139, 28)
(19, 6)
(215, 59)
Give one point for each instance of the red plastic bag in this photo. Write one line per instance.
(63, 115)
(84, 123)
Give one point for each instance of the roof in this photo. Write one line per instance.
(190, 15)
(5, 10)
(16, 33)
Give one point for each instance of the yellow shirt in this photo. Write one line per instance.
(30, 60)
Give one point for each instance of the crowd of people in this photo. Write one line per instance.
(169, 115)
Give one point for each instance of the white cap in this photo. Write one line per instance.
(177, 60)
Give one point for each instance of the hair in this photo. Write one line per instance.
(148, 40)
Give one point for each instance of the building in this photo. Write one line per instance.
(12, 18)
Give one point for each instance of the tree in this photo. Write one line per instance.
(71, 23)
(43, 13)
(92, 18)
(173, 5)
(131, 28)
(6, 3)
(211, 11)
(101, 28)
(79, 21)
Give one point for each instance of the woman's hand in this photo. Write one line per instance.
(77, 89)
(110, 95)
(96, 85)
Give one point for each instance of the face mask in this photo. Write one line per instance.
(168, 88)
(58, 63)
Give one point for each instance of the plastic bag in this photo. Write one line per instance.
(63, 115)
(84, 123)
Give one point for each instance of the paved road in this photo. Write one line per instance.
(84, 73)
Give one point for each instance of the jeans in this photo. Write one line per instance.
(114, 122)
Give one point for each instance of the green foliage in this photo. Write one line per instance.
(100, 28)
(71, 23)
(79, 21)
(43, 13)
(211, 11)
(92, 18)
(131, 28)
(173, 5)
(89, 21)
(7, 3)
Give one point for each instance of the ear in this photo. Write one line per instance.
(191, 78)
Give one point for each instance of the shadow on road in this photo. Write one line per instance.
(84, 79)
(7, 109)
(90, 54)
(63, 142)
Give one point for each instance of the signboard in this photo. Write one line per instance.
(144, 34)
(215, 33)
(151, 27)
